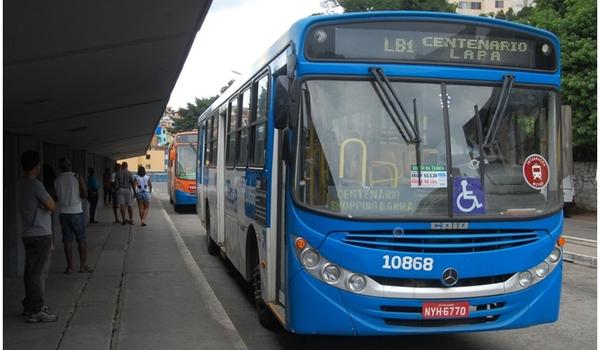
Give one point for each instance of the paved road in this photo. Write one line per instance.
(576, 328)
(581, 225)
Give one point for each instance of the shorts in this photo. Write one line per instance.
(143, 196)
(124, 197)
(73, 225)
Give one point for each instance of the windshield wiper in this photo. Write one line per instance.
(479, 133)
(507, 84)
(399, 116)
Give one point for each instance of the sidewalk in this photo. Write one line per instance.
(142, 295)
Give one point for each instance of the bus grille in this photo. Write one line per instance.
(436, 283)
(483, 313)
(426, 241)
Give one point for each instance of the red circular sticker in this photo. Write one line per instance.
(536, 171)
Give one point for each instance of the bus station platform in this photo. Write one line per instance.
(143, 289)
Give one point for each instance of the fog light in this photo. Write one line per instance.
(309, 258)
(542, 269)
(356, 283)
(555, 255)
(525, 278)
(331, 273)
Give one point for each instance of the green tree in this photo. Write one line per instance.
(384, 5)
(187, 118)
(574, 22)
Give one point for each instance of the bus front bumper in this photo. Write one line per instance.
(318, 308)
(184, 198)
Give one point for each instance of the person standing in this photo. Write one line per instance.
(106, 187)
(35, 207)
(70, 189)
(92, 194)
(115, 199)
(143, 188)
(124, 184)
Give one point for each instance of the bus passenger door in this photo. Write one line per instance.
(220, 239)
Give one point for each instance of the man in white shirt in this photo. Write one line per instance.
(69, 190)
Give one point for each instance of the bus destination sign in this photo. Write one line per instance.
(433, 43)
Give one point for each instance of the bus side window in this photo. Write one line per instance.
(214, 137)
(244, 125)
(232, 132)
(259, 123)
(207, 156)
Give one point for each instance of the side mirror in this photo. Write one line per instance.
(282, 102)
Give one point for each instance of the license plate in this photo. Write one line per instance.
(450, 309)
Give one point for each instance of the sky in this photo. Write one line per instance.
(235, 33)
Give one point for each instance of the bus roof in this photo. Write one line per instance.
(295, 34)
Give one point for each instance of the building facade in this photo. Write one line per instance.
(477, 7)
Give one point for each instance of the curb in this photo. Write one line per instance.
(579, 259)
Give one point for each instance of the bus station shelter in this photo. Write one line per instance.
(89, 81)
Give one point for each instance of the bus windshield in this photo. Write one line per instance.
(354, 159)
(186, 162)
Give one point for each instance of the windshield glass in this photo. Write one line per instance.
(353, 159)
(186, 162)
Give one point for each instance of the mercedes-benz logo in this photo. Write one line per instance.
(449, 277)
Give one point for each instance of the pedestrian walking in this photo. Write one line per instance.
(70, 189)
(107, 187)
(35, 207)
(143, 188)
(113, 186)
(124, 184)
(92, 194)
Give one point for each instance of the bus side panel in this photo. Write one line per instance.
(232, 232)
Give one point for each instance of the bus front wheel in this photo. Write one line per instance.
(265, 316)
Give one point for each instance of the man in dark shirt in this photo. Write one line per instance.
(35, 207)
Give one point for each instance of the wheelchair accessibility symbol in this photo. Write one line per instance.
(468, 196)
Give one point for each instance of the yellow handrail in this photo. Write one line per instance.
(363, 173)
(378, 163)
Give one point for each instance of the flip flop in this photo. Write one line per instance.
(86, 269)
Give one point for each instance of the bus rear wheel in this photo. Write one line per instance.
(265, 315)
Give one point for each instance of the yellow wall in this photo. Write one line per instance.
(156, 163)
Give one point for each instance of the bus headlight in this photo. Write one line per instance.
(555, 255)
(525, 278)
(356, 283)
(331, 273)
(542, 269)
(309, 258)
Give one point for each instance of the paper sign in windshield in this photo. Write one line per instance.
(432, 176)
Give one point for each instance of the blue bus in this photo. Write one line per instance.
(391, 173)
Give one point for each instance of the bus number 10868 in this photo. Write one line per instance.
(408, 263)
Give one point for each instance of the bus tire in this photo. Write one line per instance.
(211, 246)
(265, 315)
